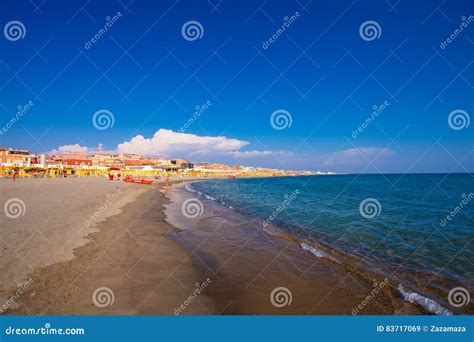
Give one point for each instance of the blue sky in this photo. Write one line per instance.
(319, 70)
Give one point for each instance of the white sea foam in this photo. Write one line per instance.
(316, 251)
(210, 198)
(428, 304)
(189, 188)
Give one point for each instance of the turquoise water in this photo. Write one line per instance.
(403, 232)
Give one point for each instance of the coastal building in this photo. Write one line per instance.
(100, 162)
(105, 159)
(177, 164)
(74, 155)
(157, 163)
(15, 157)
(76, 162)
(220, 167)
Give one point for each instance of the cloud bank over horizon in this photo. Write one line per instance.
(221, 149)
(167, 143)
(170, 144)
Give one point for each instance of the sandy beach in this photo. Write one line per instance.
(92, 246)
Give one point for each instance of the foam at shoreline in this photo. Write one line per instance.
(317, 250)
(429, 305)
(238, 228)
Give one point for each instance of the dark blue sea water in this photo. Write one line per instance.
(417, 229)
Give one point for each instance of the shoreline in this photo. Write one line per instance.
(221, 264)
(425, 300)
(262, 257)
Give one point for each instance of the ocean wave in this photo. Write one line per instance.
(209, 197)
(189, 188)
(428, 304)
(317, 251)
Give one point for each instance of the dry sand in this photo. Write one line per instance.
(59, 261)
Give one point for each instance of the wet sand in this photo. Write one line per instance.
(136, 262)
(247, 265)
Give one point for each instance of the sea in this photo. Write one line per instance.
(414, 229)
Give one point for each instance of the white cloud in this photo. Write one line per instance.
(74, 148)
(167, 143)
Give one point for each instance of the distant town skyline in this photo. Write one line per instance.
(349, 87)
